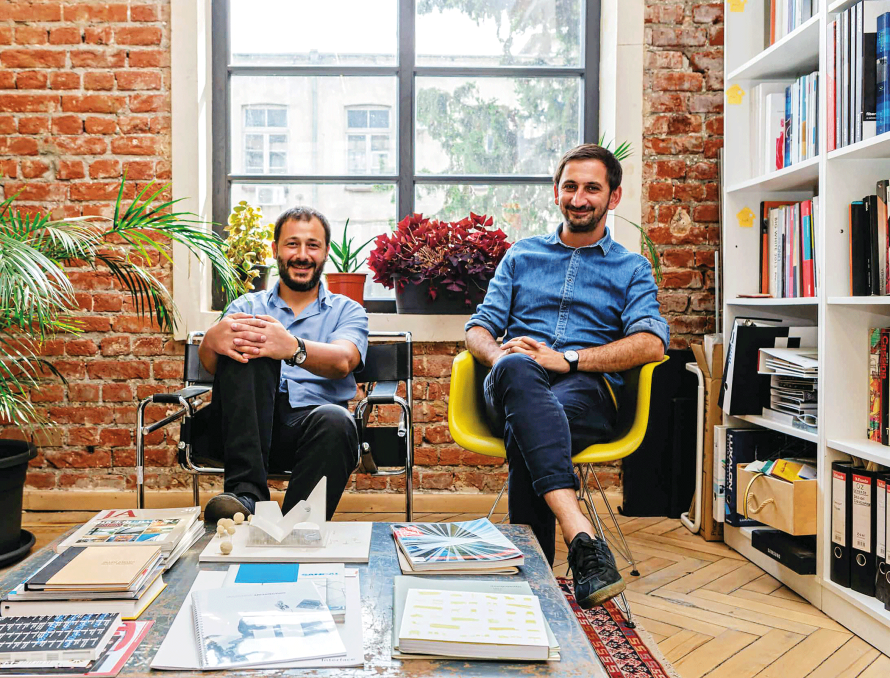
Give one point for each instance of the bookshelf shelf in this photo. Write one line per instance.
(799, 176)
(871, 606)
(796, 301)
(879, 302)
(788, 57)
(870, 149)
(840, 5)
(864, 449)
(780, 427)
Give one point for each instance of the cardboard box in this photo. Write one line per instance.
(711, 530)
(789, 507)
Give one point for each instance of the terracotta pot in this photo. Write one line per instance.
(416, 299)
(350, 285)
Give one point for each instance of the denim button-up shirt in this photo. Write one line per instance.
(329, 317)
(571, 298)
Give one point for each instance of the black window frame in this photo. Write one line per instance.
(406, 71)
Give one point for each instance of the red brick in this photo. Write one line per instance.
(702, 303)
(706, 103)
(702, 170)
(40, 480)
(118, 393)
(144, 13)
(689, 192)
(67, 124)
(98, 58)
(105, 168)
(133, 324)
(149, 103)
(67, 35)
(706, 213)
(34, 124)
(64, 80)
(69, 169)
(673, 302)
(714, 126)
(138, 35)
(93, 103)
(667, 60)
(682, 278)
(663, 36)
(715, 37)
(80, 415)
(80, 145)
(94, 190)
(437, 480)
(674, 81)
(115, 437)
(98, 35)
(99, 12)
(47, 393)
(42, 192)
(107, 303)
(30, 35)
(149, 58)
(140, 169)
(33, 169)
(665, 14)
(32, 58)
(711, 13)
(138, 80)
(661, 102)
(98, 80)
(7, 124)
(30, 11)
(670, 169)
(118, 345)
(118, 369)
(95, 125)
(678, 258)
(28, 103)
(135, 145)
(712, 148)
(81, 347)
(5, 35)
(152, 346)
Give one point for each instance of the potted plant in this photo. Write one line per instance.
(438, 266)
(347, 280)
(37, 302)
(249, 245)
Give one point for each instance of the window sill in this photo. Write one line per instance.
(428, 328)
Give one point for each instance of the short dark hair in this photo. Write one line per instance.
(302, 213)
(592, 152)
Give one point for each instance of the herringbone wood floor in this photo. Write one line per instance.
(711, 612)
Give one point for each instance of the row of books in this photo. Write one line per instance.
(788, 247)
(878, 385)
(784, 123)
(786, 15)
(858, 51)
(869, 229)
(859, 520)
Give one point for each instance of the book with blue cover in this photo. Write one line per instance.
(327, 577)
(472, 545)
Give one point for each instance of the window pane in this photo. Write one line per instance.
(520, 210)
(371, 210)
(254, 162)
(276, 117)
(499, 33)
(255, 117)
(277, 163)
(276, 141)
(379, 119)
(253, 142)
(379, 142)
(319, 111)
(357, 119)
(495, 125)
(286, 32)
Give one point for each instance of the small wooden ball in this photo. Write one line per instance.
(230, 529)
(225, 548)
(239, 518)
(221, 530)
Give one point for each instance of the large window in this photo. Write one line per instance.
(387, 107)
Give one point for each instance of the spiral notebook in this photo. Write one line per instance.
(262, 624)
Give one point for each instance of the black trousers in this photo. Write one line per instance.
(258, 432)
(545, 418)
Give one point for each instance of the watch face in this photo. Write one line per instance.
(301, 357)
(571, 356)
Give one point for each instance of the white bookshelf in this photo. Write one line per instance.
(839, 177)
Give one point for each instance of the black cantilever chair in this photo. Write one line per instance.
(382, 447)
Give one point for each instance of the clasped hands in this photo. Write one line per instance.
(546, 357)
(242, 336)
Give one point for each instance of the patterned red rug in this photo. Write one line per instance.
(621, 650)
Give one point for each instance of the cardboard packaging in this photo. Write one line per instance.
(789, 507)
(711, 530)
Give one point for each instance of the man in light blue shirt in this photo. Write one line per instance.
(283, 361)
(575, 309)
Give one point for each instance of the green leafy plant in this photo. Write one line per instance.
(621, 153)
(249, 243)
(344, 256)
(37, 300)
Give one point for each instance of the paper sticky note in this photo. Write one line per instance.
(737, 5)
(746, 218)
(734, 95)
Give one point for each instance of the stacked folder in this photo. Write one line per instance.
(122, 579)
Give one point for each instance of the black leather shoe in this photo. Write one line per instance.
(226, 505)
(593, 566)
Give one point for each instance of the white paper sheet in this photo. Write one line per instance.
(347, 543)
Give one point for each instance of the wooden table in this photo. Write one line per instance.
(578, 657)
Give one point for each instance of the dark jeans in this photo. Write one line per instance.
(258, 431)
(544, 418)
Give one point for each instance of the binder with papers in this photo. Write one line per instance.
(864, 533)
(841, 523)
(802, 363)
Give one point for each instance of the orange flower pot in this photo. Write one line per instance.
(350, 285)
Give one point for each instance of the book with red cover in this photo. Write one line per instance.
(765, 254)
(808, 278)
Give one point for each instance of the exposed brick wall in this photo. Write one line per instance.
(682, 134)
(85, 96)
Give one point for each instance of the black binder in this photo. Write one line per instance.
(863, 564)
(841, 523)
(882, 576)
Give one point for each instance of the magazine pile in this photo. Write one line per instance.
(474, 547)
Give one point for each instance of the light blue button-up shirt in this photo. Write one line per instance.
(571, 298)
(331, 316)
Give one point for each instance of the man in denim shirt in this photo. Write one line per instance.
(575, 309)
(282, 361)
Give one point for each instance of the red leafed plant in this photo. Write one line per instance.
(457, 256)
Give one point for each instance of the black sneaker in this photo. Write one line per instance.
(593, 566)
(226, 505)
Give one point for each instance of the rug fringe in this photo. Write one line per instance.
(655, 651)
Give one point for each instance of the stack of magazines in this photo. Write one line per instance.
(122, 579)
(60, 641)
(474, 547)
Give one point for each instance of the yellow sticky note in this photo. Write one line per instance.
(734, 95)
(737, 5)
(746, 218)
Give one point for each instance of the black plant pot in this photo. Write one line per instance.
(416, 299)
(14, 541)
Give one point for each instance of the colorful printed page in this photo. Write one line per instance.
(466, 542)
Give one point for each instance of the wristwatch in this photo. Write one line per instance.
(572, 359)
(299, 355)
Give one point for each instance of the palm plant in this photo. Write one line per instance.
(622, 152)
(344, 255)
(37, 298)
